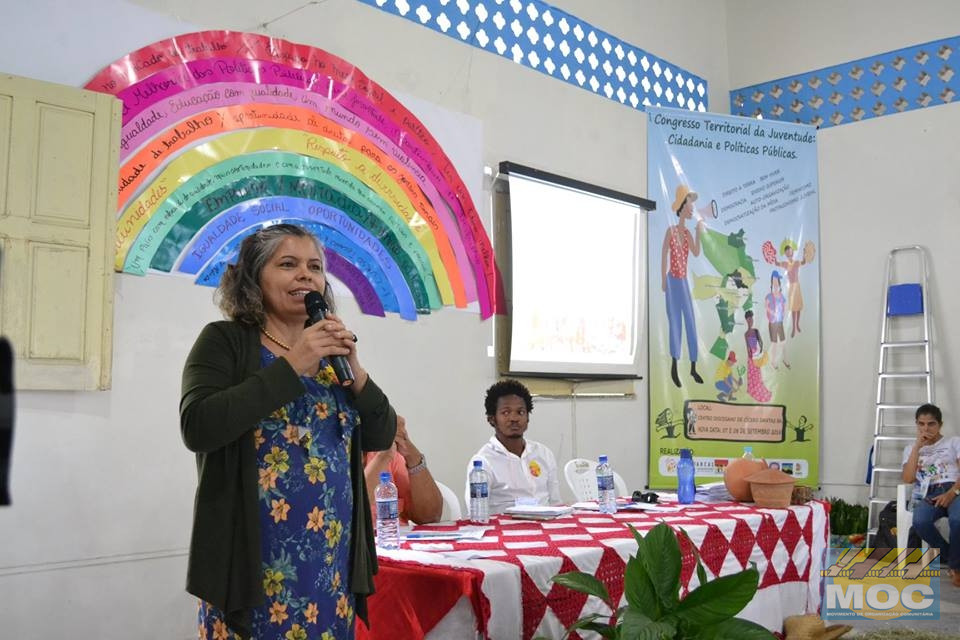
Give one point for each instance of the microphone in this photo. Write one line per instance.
(317, 311)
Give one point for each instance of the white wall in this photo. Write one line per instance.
(884, 183)
(101, 482)
(102, 485)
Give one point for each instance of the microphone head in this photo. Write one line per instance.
(315, 304)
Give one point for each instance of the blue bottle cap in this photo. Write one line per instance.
(686, 453)
(478, 464)
(602, 459)
(384, 476)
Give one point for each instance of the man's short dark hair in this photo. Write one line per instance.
(503, 388)
(929, 410)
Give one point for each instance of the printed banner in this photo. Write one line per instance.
(734, 294)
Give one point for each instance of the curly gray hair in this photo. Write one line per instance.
(239, 295)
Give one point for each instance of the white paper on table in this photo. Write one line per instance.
(711, 486)
(539, 510)
(706, 498)
(714, 492)
(467, 532)
(591, 505)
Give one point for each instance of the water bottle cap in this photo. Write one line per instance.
(602, 459)
(478, 464)
(686, 453)
(748, 449)
(384, 476)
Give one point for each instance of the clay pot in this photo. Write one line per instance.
(735, 477)
(771, 488)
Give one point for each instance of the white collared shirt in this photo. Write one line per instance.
(531, 476)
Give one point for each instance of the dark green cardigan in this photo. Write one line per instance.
(225, 394)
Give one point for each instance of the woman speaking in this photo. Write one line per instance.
(282, 541)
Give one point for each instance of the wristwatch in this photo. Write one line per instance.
(420, 466)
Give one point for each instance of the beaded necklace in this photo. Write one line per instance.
(274, 340)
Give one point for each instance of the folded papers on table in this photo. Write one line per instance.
(538, 511)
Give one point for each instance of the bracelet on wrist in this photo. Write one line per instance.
(420, 466)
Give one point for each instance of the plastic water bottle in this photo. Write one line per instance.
(606, 491)
(686, 488)
(918, 493)
(747, 453)
(388, 521)
(479, 494)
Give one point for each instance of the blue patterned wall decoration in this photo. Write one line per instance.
(910, 78)
(536, 35)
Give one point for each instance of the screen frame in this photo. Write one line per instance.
(503, 326)
(507, 168)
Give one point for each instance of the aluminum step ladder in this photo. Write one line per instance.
(904, 374)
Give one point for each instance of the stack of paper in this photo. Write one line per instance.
(592, 505)
(713, 492)
(538, 512)
(468, 532)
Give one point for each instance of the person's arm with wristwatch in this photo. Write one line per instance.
(948, 496)
(425, 503)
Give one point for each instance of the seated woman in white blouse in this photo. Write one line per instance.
(519, 469)
(932, 463)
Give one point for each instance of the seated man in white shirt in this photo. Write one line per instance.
(518, 468)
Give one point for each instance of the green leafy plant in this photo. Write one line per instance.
(652, 589)
(847, 519)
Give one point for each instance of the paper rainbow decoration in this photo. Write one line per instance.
(226, 132)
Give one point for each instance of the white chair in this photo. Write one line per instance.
(581, 475)
(451, 504)
(905, 518)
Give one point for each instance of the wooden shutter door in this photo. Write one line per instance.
(58, 194)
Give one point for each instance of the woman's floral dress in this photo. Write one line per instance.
(306, 502)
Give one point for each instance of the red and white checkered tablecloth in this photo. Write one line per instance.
(785, 544)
